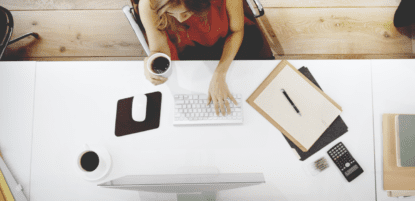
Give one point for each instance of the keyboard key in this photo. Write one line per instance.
(177, 115)
(191, 101)
(181, 110)
(195, 96)
(238, 109)
(203, 97)
(180, 101)
(178, 106)
(180, 96)
(184, 106)
(186, 101)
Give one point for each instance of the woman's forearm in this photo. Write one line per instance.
(230, 49)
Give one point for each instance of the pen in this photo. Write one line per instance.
(288, 98)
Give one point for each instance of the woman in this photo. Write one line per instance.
(181, 27)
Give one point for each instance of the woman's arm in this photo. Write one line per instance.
(157, 39)
(218, 89)
(234, 40)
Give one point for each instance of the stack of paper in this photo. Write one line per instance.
(313, 113)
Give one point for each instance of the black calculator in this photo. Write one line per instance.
(345, 161)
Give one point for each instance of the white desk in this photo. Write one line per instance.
(17, 87)
(393, 92)
(75, 103)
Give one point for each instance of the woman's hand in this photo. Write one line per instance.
(155, 79)
(219, 93)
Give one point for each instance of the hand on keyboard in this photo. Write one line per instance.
(219, 94)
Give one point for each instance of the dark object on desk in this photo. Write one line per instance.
(345, 161)
(6, 30)
(405, 14)
(124, 123)
(335, 130)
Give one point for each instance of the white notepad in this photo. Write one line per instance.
(317, 111)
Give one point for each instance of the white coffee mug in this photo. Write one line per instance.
(104, 163)
(152, 58)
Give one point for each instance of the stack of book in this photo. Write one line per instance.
(399, 154)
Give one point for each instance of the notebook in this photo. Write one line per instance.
(394, 177)
(405, 140)
(335, 130)
(318, 111)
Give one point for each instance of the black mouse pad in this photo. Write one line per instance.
(125, 124)
(334, 131)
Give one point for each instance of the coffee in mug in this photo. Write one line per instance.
(159, 64)
(89, 161)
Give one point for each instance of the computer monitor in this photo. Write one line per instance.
(187, 187)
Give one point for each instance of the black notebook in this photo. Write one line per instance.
(335, 130)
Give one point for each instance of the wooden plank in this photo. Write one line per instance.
(328, 3)
(15, 5)
(343, 56)
(299, 31)
(337, 31)
(74, 33)
(413, 38)
(80, 59)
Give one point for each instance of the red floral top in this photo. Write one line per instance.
(203, 30)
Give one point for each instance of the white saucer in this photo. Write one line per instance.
(103, 168)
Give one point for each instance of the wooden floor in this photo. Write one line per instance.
(300, 29)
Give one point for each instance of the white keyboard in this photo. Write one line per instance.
(191, 109)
